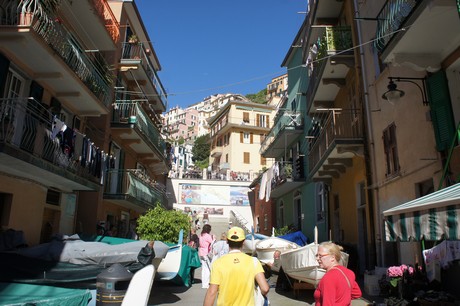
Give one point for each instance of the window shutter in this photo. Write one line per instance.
(241, 137)
(268, 121)
(258, 120)
(441, 110)
(252, 138)
(4, 67)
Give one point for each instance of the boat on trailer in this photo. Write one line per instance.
(301, 264)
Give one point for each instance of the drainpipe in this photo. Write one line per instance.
(374, 199)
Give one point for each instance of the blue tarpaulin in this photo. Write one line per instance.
(297, 237)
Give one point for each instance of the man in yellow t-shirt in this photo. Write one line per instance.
(233, 275)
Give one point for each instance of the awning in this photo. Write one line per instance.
(433, 217)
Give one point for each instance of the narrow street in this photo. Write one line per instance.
(164, 293)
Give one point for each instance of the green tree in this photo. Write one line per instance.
(260, 97)
(163, 225)
(201, 150)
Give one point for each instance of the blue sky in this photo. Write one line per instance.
(208, 47)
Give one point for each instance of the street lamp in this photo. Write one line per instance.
(393, 94)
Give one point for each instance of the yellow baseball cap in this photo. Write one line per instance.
(236, 234)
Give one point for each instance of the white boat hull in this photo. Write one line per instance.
(266, 248)
(301, 264)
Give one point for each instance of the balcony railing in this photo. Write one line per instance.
(284, 120)
(391, 18)
(137, 52)
(111, 23)
(132, 114)
(90, 68)
(334, 41)
(27, 126)
(135, 185)
(345, 125)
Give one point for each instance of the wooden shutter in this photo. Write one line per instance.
(246, 158)
(258, 120)
(441, 110)
(241, 137)
(246, 117)
(4, 67)
(252, 138)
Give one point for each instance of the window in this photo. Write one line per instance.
(53, 197)
(262, 121)
(245, 117)
(226, 158)
(320, 202)
(245, 137)
(391, 150)
(246, 158)
(263, 161)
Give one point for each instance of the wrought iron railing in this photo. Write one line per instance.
(136, 184)
(90, 68)
(338, 125)
(131, 113)
(284, 119)
(391, 18)
(137, 51)
(27, 126)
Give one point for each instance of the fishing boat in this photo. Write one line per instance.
(249, 244)
(301, 264)
(169, 266)
(72, 260)
(265, 248)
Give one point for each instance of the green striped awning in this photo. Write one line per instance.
(433, 217)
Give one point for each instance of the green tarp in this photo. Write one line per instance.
(25, 294)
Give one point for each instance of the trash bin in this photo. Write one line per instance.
(112, 284)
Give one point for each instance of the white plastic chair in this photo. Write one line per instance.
(138, 292)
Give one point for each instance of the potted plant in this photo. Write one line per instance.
(288, 171)
(133, 39)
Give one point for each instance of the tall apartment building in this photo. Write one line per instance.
(73, 152)
(277, 86)
(237, 130)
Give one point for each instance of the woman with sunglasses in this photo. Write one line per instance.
(338, 286)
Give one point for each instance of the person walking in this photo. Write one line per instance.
(338, 286)
(233, 275)
(205, 246)
(220, 248)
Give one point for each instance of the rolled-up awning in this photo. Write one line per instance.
(433, 217)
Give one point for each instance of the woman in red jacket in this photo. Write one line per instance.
(338, 286)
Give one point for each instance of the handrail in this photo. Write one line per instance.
(137, 52)
(130, 112)
(90, 68)
(27, 125)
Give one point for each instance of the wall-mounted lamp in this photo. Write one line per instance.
(393, 94)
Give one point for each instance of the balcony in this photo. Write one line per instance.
(333, 145)
(132, 189)
(95, 15)
(135, 60)
(29, 149)
(131, 123)
(291, 176)
(41, 44)
(327, 76)
(401, 25)
(288, 126)
(216, 151)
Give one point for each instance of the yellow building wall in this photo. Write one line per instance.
(28, 202)
(346, 187)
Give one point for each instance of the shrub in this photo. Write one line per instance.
(162, 225)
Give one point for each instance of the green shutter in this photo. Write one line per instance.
(441, 110)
